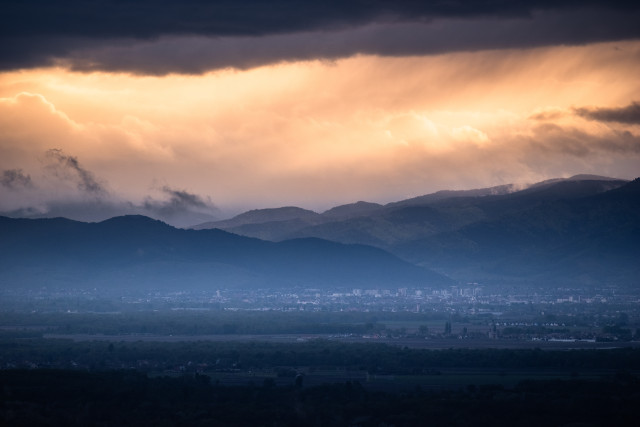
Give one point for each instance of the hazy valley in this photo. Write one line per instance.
(453, 299)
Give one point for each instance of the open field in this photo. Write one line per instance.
(446, 379)
(418, 343)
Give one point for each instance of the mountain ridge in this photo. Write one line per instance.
(590, 239)
(140, 251)
(491, 234)
(389, 224)
(580, 230)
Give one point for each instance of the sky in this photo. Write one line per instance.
(189, 110)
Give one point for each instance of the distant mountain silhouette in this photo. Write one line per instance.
(352, 210)
(139, 251)
(259, 216)
(386, 226)
(581, 229)
(577, 231)
(557, 238)
(266, 224)
(450, 194)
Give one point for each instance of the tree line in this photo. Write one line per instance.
(124, 398)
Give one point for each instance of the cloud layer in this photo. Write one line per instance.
(88, 198)
(68, 168)
(193, 37)
(14, 179)
(629, 114)
(151, 18)
(316, 134)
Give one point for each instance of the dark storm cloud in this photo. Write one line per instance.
(15, 179)
(551, 138)
(107, 34)
(179, 201)
(68, 167)
(195, 55)
(628, 115)
(152, 18)
(180, 208)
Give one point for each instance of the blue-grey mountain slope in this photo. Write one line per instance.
(580, 240)
(404, 221)
(556, 231)
(138, 251)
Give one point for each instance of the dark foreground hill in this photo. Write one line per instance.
(138, 251)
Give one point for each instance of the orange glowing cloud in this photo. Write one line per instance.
(319, 133)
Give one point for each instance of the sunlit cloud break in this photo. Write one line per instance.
(226, 109)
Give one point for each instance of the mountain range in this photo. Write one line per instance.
(141, 252)
(579, 231)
